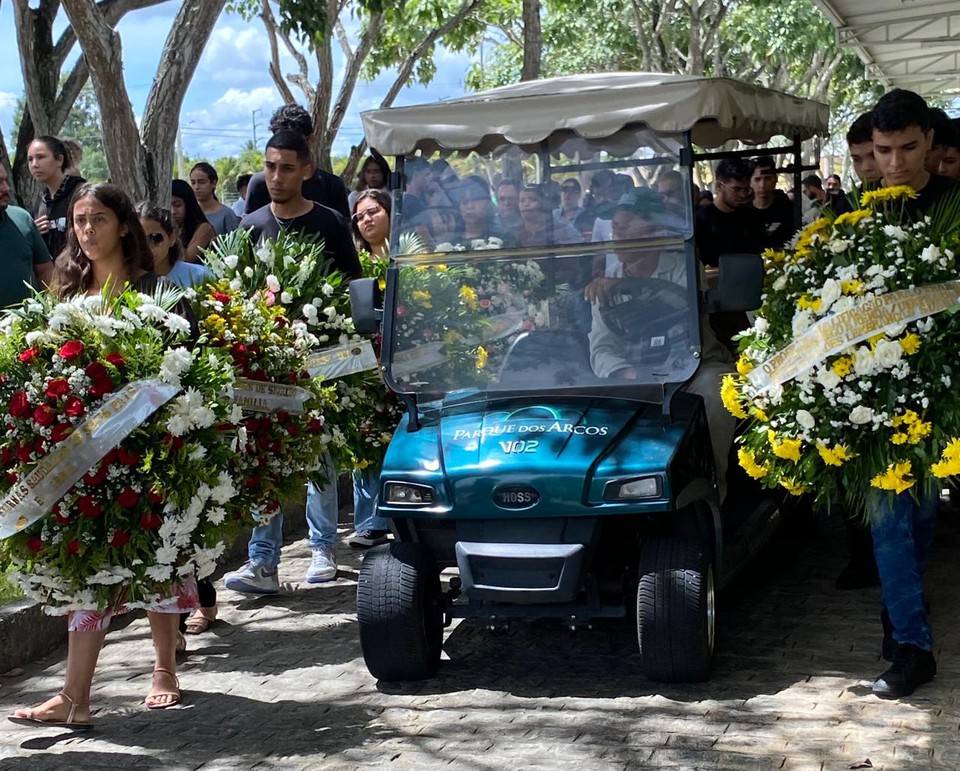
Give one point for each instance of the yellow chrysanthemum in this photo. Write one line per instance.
(885, 194)
(910, 343)
(852, 217)
(482, 357)
(843, 366)
(731, 397)
(807, 303)
(744, 365)
(451, 337)
(793, 487)
(949, 464)
(818, 225)
(748, 461)
(760, 414)
(912, 427)
(896, 477)
(441, 268)
(836, 455)
(788, 449)
(773, 256)
(468, 297)
(421, 297)
(852, 286)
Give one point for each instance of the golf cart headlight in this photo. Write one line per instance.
(405, 494)
(643, 487)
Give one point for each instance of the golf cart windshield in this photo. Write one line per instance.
(500, 322)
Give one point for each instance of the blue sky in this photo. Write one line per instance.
(231, 81)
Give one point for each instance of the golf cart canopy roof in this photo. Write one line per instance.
(714, 110)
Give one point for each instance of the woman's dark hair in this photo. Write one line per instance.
(147, 211)
(56, 147)
(193, 216)
(377, 160)
(377, 196)
(72, 271)
(207, 169)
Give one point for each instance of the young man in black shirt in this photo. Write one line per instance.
(321, 186)
(772, 206)
(286, 165)
(730, 224)
(903, 526)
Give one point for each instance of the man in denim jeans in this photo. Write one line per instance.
(903, 525)
(259, 574)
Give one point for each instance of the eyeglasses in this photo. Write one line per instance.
(736, 189)
(370, 212)
(155, 238)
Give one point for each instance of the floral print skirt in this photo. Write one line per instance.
(182, 598)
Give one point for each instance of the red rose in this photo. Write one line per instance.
(60, 432)
(24, 452)
(120, 539)
(44, 415)
(58, 387)
(220, 297)
(281, 321)
(172, 443)
(116, 360)
(73, 407)
(259, 375)
(39, 447)
(253, 349)
(282, 416)
(154, 496)
(35, 544)
(29, 355)
(96, 371)
(239, 353)
(252, 482)
(128, 498)
(89, 507)
(101, 387)
(19, 404)
(96, 478)
(293, 377)
(73, 547)
(277, 447)
(128, 458)
(263, 441)
(315, 426)
(58, 515)
(12, 477)
(70, 350)
(110, 457)
(150, 521)
(293, 429)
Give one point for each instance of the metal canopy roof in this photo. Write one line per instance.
(913, 44)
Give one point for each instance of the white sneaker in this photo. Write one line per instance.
(253, 578)
(323, 566)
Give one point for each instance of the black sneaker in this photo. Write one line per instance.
(912, 667)
(367, 538)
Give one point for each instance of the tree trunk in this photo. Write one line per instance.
(144, 167)
(532, 40)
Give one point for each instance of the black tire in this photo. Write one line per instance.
(400, 612)
(675, 611)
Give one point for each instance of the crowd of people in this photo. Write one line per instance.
(82, 238)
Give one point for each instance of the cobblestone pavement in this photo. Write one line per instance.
(278, 683)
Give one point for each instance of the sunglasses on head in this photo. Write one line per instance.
(155, 238)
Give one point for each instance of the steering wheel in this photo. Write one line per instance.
(645, 309)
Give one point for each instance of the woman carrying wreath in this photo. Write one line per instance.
(107, 249)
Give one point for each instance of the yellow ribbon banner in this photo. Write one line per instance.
(342, 360)
(259, 396)
(51, 479)
(835, 333)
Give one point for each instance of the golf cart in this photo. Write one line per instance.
(553, 451)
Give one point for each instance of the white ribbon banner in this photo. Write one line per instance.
(835, 333)
(259, 396)
(102, 430)
(342, 360)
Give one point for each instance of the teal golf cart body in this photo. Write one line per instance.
(553, 462)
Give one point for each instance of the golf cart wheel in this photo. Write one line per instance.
(675, 611)
(400, 612)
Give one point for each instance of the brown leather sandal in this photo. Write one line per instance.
(175, 694)
(29, 716)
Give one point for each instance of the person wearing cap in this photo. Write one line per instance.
(570, 195)
(643, 215)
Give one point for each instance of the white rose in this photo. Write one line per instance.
(248, 272)
(231, 261)
(779, 284)
(930, 254)
(843, 304)
(863, 361)
(286, 298)
(830, 294)
(761, 325)
(805, 419)
(838, 245)
(310, 311)
(895, 232)
(272, 284)
(888, 353)
(828, 378)
(801, 321)
(860, 415)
